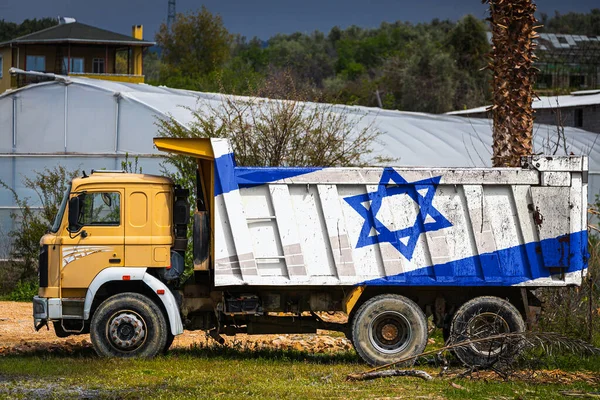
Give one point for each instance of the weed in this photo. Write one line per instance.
(23, 291)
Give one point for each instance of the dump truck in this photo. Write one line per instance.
(275, 250)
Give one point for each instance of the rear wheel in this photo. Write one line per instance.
(388, 328)
(483, 317)
(128, 325)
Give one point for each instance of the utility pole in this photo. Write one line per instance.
(171, 14)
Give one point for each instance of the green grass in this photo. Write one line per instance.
(241, 373)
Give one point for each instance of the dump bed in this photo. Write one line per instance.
(400, 226)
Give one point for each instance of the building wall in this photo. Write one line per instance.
(6, 55)
(548, 80)
(47, 51)
(88, 53)
(54, 54)
(549, 116)
(567, 117)
(591, 118)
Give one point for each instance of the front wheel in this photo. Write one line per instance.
(170, 339)
(128, 325)
(388, 328)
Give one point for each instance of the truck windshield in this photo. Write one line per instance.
(61, 210)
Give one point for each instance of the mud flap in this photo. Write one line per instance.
(201, 240)
(551, 210)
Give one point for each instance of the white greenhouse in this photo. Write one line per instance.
(91, 124)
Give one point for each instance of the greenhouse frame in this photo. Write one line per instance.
(86, 124)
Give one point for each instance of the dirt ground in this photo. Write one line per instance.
(17, 334)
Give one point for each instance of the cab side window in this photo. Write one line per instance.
(101, 208)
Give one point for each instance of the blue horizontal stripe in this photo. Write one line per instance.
(228, 177)
(505, 267)
(225, 174)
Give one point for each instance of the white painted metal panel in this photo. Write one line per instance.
(312, 229)
(401, 226)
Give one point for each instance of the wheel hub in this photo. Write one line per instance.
(390, 332)
(127, 331)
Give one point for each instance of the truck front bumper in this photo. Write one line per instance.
(40, 312)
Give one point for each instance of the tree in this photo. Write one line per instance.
(469, 43)
(49, 186)
(11, 30)
(121, 65)
(151, 67)
(469, 48)
(308, 56)
(270, 133)
(573, 23)
(425, 81)
(252, 52)
(197, 44)
(513, 23)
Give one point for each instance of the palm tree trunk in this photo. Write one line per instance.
(513, 30)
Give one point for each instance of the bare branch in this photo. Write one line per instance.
(390, 372)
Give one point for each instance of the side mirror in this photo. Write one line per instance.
(73, 214)
(106, 199)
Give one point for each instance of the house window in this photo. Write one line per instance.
(98, 66)
(77, 65)
(576, 81)
(578, 118)
(1, 65)
(36, 63)
(544, 81)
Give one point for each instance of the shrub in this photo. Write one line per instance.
(270, 133)
(23, 291)
(31, 223)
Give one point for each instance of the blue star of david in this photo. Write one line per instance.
(421, 192)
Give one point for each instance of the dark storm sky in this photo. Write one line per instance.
(264, 18)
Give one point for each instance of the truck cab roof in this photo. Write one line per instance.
(121, 177)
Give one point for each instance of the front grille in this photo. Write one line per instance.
(43, 266)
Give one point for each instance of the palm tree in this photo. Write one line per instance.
(513, 30)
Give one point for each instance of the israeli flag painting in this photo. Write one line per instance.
(406, 238)
(400, 226)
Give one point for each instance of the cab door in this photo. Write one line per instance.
(99, 244)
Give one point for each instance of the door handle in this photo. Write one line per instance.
(114, 260)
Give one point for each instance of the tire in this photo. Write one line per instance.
(481, 317)
(128, 325)
(170, 338)
(388, 328)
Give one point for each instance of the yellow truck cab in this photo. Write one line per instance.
(120, 212)
(123, 227)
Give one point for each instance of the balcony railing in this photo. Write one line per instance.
(110, 77)
(20, 80)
